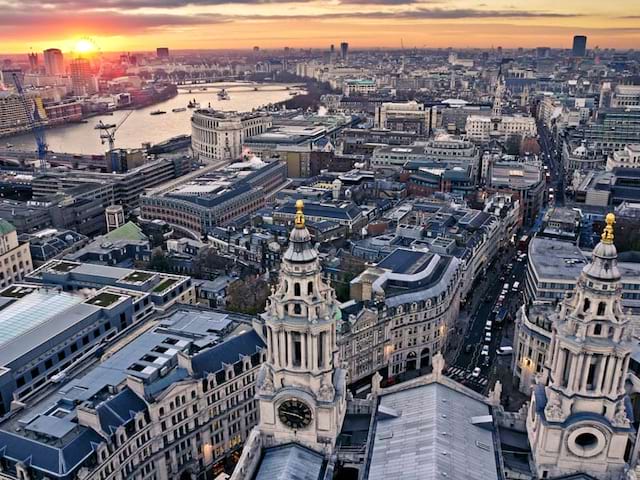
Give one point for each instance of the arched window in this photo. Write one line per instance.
(601, 308)
(310, 288)
(586, 305)
(296, 289)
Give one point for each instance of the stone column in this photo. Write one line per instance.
(613, 380)
(290, 349)
(623, 376)
(600, 375)
(303, 350)
(572, 369)
(580, 364)
(270, 345)
(611, 363)
(585, 371)
(282, 338)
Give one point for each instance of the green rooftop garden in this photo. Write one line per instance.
(164, 284)
(103, 299)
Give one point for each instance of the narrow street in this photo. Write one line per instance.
(482, 307)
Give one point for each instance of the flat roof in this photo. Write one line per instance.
(554, 259)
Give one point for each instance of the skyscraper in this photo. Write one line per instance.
(344, 50)
(579, 46)
(81, 79)
(162, 52)
(33, 61)
(53, 61)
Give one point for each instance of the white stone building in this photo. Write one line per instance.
(483, 129)
(629, 157)
(15, 257)
(217, 135)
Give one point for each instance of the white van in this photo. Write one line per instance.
(504, 351)
(516, 286)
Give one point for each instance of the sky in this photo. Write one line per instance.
(143, 25)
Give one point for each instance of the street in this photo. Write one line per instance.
(553, 161)
(481, 308)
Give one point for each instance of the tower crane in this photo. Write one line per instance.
(108, 135)
(35, 123)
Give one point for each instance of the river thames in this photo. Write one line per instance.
(142, 127)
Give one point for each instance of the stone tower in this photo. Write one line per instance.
(579, 421)
(302, 394)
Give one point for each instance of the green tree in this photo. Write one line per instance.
(248, 295)
(159, 261)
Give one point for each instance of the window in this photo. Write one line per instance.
(296, 289)
(310, 288)
(586, 305)
(601, 308)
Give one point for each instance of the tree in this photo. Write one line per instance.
(512, 145)
(248, 295)
(208, 263)
(159, 261)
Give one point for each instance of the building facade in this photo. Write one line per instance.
(15, 256)
(217, 135)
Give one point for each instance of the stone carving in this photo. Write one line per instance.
(375, 383)
(553, 410)
(266, 384)
(620, 418)
(326, 392)
(438, 364)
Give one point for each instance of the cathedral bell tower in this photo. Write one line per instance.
(302, 394)
(579, 420)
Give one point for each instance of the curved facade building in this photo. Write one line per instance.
(217, 135)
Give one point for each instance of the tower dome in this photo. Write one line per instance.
(604, 265)
(300, 249)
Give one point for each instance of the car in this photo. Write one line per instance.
(476, 372)
(487, 337)
(504, 351)
(485, 350)
(488, 324)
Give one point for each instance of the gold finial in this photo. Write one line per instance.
(607, 233)
(299, 221)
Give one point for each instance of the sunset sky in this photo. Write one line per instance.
(133, 25)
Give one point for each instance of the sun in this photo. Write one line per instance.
(84, 46)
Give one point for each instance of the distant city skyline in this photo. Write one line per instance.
(120, 25)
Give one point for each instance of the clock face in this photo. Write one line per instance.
(295, 414)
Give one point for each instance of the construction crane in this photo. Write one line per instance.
(35, 123)
(108, 135)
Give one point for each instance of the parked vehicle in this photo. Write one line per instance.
(476, 372)
(504, 351)
(516, 286)
(485, 350)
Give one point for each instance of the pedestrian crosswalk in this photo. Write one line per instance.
(466, 377)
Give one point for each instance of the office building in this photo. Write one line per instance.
(170, 400)
(629, 157)
(15, 256)
(63, 327)
(344, 51)
(404, 117)
(579, 48)
(215, 198)
(162, 52)
(483, 129)
(82, 80)
(218, 135)
(11, 76)
(53, 61)
(417, 294)
(13, 115)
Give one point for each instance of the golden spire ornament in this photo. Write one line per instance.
(607, 232)
(299, 221)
